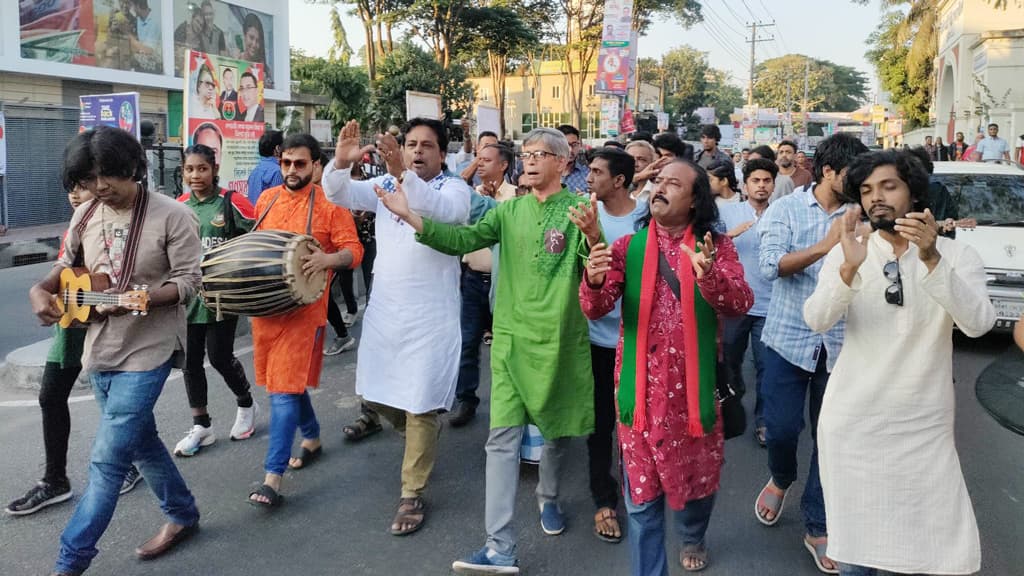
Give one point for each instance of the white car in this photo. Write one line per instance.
(993, 195)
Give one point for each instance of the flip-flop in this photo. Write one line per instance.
(269, 493)
(696, 552)
(771, 501)
(819, 551)
(307, 457)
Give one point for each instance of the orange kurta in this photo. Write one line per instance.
(288, 349)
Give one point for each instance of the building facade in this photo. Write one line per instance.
(54, 51)
(978, 69)
(542, 96)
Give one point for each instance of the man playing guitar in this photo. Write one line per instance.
(136, 238)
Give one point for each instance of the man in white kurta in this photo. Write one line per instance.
(414, 312)
(895, 497)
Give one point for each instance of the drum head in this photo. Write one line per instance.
(305, 289)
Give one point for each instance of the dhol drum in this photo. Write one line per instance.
(260, 274)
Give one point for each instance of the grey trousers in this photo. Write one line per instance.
(503, 480)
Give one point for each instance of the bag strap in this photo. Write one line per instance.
(668, 274)
(229, 214)
(309, 213)
(131, 247)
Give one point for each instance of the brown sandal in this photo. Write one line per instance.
(606, 525)
(411, 513)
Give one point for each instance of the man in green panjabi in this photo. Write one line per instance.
(540, 356)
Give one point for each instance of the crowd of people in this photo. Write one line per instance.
(618, 288)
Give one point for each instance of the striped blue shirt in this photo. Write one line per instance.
(790, 224)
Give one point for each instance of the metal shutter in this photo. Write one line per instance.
(36, 136)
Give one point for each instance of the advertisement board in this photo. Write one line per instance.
(224, 110)
(115, 110)
(101, 33)
(610, 116)
(223, 29)
(615, 56)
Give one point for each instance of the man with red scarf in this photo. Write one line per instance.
(669, 423)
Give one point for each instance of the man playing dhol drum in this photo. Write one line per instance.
(288, 348)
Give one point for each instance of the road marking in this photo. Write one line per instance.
(86, 397)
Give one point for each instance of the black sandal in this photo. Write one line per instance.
(273, 498)
(363, 426)
(306, 458)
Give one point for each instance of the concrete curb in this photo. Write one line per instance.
(23, 368)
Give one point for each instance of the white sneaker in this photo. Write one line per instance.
(339, 345)
(196, 438)
(245, 422)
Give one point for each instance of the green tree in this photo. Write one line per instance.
(685, 71)
(686, 12)
(723, 95)
(409, 67)
(780, 84)
(501, 33)
(346, 86)
(340, 50)
(902, 50)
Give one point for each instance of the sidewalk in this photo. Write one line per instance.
(31, 245)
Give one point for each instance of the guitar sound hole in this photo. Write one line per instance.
(79, 298)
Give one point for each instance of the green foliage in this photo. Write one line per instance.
(685, 72)
(725, 97)
(410, 67)
(345, 85)
(831, 86)
(902, 50)
(686, 12)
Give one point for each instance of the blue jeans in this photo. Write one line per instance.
(736, 333)
(647, 529)
(288, 412)
(476, 319)
(127, 433)
(785, 389)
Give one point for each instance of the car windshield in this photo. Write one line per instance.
(988, 198)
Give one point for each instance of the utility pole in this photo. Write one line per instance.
(753, 44)
(803, 106)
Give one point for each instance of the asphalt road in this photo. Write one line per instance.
(18, 326)
(336, 516)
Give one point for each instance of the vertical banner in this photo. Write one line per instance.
(224, 110)
(615, 56)
(119, 110)
(628, 124)
(610, 116)
(3, 146)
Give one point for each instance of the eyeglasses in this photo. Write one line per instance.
(207, 84)
(536, 155)
(299, 164)
(894, 291)
(247, 88)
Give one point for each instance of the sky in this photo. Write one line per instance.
(825, 29)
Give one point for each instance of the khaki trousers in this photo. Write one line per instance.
(421, 436)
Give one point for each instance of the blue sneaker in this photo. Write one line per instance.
(485, 562)
(552, 521)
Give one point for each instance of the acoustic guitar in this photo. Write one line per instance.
(80, 292)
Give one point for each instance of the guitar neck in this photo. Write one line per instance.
(97, 299)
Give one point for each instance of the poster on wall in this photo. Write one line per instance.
(615, 55)
(115, 110)
(224, 110)
(610, 117)
(223, 29)
(117, 34)
(3, 145)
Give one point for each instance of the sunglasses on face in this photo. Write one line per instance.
(299, 164)
(894, 291)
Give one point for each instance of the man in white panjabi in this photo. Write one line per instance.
(895, 496)
(414, 312)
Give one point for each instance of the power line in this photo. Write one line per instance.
(752, 15)
(730, 51)
(782, 38)
(719, 26)
(754, 40)
(735, 15)
(723, 20)
(723, 40)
